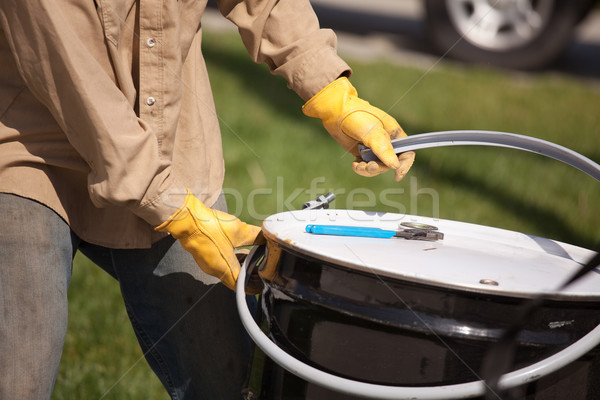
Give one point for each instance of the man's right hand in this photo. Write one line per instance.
(211, 237)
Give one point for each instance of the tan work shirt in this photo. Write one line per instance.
(106, 113)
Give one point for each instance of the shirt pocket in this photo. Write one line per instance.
(113, 14)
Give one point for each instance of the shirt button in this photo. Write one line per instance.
(150, 42)
(150, 101)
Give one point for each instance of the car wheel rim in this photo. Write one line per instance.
(500, 24)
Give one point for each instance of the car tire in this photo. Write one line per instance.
(452, 32)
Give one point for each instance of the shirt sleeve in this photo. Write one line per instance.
(120, 150)
(286, 36)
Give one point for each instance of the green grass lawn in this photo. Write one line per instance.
(277, 159)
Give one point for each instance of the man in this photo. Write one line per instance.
(109, 144)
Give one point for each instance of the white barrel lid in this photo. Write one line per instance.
(470, 257)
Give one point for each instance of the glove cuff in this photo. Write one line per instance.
(330, 100)
(181, 223)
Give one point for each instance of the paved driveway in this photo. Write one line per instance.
(395, 30)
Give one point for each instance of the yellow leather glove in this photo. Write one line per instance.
(351, 120)
(211, 237)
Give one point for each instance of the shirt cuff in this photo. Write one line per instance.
(317, 71)
(162, 207)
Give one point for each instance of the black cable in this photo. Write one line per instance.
(500, 357)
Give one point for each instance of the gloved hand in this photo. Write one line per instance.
(351, 120)
(211, 236)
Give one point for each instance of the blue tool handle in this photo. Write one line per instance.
(340, 230)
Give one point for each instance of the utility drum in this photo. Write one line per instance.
(419, 307)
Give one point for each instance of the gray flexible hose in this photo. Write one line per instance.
(490, 138)
(448, 392)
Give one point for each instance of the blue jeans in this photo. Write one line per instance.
(185, 321)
